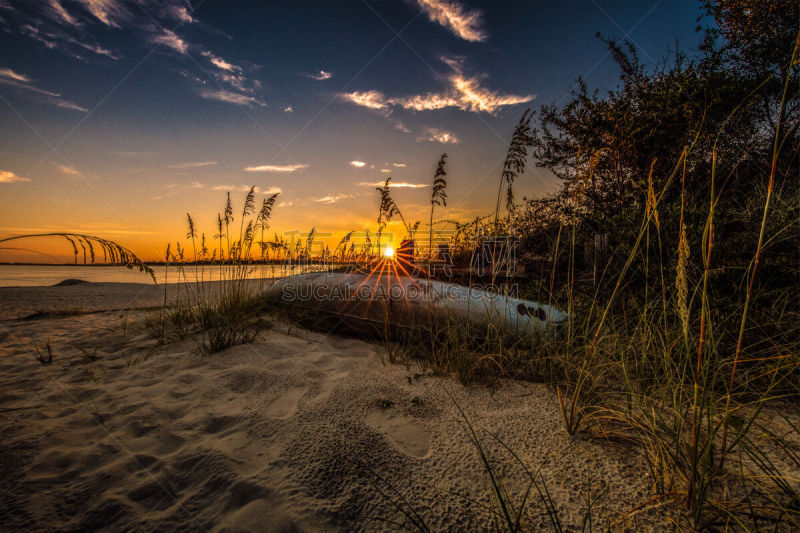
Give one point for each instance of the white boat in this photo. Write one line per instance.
(380, 298)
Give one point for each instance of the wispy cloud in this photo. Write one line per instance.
(193, 164)
(181, 13)
(9, 77)
(109, 12)
(473, 97)
(439, 136)
(288, 109)
(170, 39)
(357, 164)
(258, 190)
(230, 97)
(9, 74)
(233, 82)
(276, 168)
(67, 26)
(425, 102)
(219, 62)
(131, 153)
(370, 99)
(321, 75)
(96, 49)
(55, 27)
(463, 23)
(399, 165)
(333, 199)
(69, 171)
(66, 104)
(58, 11)
(6, 176)
(465, 93)
(25, 85)
(177, 188)
(394, 184)
(386, 170)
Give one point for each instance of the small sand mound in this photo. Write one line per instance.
(70, 281)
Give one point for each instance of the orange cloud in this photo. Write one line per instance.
(394, 184)
(453, 16)
(276, 168)
(170, 39)
(439, 136)
(465, 93)
(369, 99)
(6, 176)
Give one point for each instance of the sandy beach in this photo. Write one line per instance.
(298, 431)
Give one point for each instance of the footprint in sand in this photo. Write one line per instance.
(285, 405)
(404, 434)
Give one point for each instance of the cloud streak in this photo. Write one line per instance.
(276, 168)
(109, 12)
(233, 85)
(58, 11)
(219, 62)
(394, 184)
(333, 199)
(69, 171)
(230, 97)
(170, 39)
(25, 85)
(67, 26)
(245, 188)
(181, 13)
(193, 164)
(465, 24)
(6, 176)
(464, 93)
(8, 74)
(369, 99)
(357, 164)
(439, 136)
(56, 28)
(322, 75)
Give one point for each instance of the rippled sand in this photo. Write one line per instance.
(294, 432)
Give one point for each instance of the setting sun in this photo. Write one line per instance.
(388, 252)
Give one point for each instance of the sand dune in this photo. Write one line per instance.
(290, 433)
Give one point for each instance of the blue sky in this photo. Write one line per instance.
(117, 117)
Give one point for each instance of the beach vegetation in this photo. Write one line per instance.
(683, 340)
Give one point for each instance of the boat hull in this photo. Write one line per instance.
(408, 301)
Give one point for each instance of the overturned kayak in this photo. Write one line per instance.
(407, 301)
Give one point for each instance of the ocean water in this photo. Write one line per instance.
(46, 275)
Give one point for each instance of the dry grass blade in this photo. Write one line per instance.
(114, 253)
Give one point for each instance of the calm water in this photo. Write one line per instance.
(43, 275)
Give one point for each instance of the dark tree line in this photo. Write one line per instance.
(722, 105)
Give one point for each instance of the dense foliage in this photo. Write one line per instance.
(617, 152)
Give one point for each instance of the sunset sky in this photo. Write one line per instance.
(117, 117)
